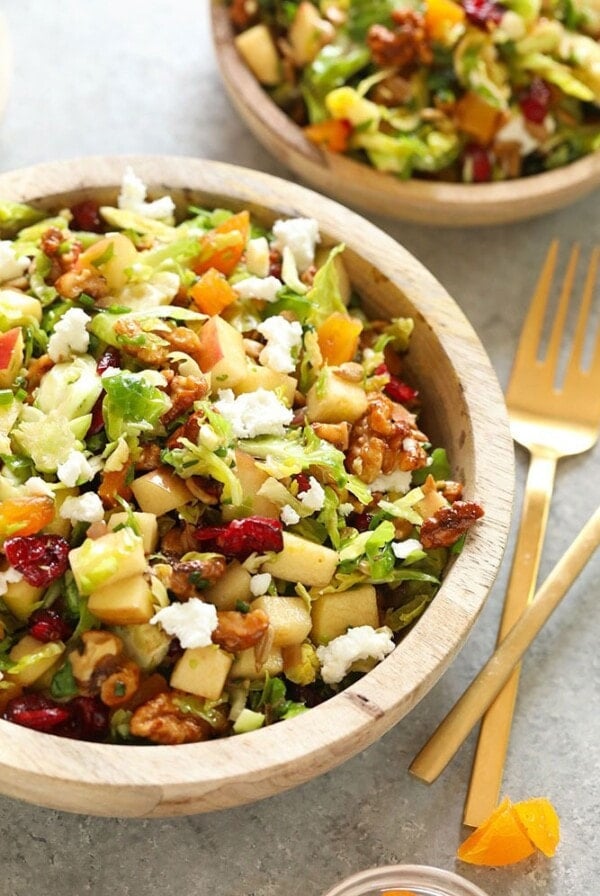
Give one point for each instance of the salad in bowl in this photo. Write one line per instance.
(462, 91)
(218, 506)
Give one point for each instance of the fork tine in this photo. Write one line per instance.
(554, 343)
(576, 359)
(527, 348)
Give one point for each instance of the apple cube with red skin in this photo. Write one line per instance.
(222, 353)
(11, 356)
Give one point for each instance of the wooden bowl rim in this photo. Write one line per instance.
(159, 780)
(425, 202)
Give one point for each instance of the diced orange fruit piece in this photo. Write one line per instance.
(223, 247)
(500, 840)
(25, 516)
(332, 134)
(212, 293)
(539, 818)
(477, 118)
(338, 338)
(440, 16)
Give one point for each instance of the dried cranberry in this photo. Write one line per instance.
(360, 521)
(37, 712)
(86, 216)
(46, 624)
(89, 719)
(175, 651)
(478, 164)
(401, 392)
(535, 102)
(111, 357)
(483, 13)
(303, 482)
(240, 538)
(40, 558)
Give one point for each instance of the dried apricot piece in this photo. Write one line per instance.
(25, 516)
(538, 817)
(500, 840)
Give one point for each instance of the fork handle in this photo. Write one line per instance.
(494, 734)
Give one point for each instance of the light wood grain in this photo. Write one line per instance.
(465, 412)
(420, 201)
(468, 710)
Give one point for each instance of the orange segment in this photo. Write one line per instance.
(500, 840)
(539, 818)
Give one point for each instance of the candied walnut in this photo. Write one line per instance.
(99, 657)
(205, 489)
(73, 283)
(243, 13)
(183, 392)
(381, 441)
(179, 540)
(182, 339)
(51, 241)
(188, 578)
(452, 491)
(163, 722)
(449, 523)
(149, 457)
(36, 370)
(239, 631)
(337, 434)
(148, 348)
(120, 687)
(508, 156)
(189, 430)
(392, 91)
(405, 46)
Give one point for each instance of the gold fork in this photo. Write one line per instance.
(552, 421)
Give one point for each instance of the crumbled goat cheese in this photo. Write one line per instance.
(259, 584)
(258, 261)
(70, 335)
(359, 643)
(75, 470)
(289, 516)
(515, 131)
(82, 508)
(397, 481)
(283, 338)
(346, 509)
(11, 267)
(160, 289)
(252, 414)
(403, 549)
(8, 577)
(38, 487)
(192, 622)
(133, 198)
(301, 235)
(264, 288)
(510, 27)
(314, 497)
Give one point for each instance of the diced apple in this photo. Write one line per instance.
(111, 256)
(126, 602)
(251, 479)
(160, 491)
(333, 399)
(289, 618)
(258, 50)
(334, 614)
(102, 561)
(202, 671)
(60, 525)
(222, 353)
(258, 377)
(245, 664)
(147, 524)
(19, 309)
(232, 586)
(308, 33)
(21, 598)
(302, 561)
(32, 672)
(147, 645)
(11, 356)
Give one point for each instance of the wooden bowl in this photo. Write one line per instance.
(465, 413)
(420, 201)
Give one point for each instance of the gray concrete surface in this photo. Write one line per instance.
(133, 76)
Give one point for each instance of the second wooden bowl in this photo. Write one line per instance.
(465, 413)
(420, 201)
